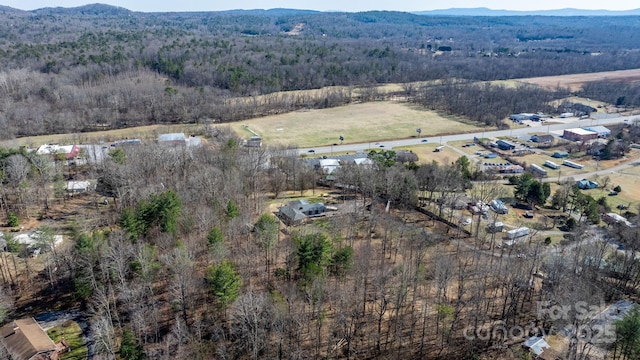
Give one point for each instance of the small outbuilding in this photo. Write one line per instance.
(586, 184)
(542, 139)
(537, 345)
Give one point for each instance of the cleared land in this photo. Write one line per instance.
(374, 121)
(575, 81)
(426, 153)
(96, 137)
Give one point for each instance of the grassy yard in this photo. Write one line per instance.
(427, 155)
(374, 121)
(72, 332)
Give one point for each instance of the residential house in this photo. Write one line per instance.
(296, 212)
(542, 139)
(586, 184)
(329, 166)
(78, 187)
(24, 339)
(175, 139)
(67, 152)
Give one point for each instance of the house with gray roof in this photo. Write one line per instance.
(296, 212)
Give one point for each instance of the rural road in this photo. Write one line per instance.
(607, 119)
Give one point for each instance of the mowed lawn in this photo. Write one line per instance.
(374, 121)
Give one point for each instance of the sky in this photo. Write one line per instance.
(331, 5)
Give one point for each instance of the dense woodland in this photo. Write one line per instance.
(79, 69)
(186, 261)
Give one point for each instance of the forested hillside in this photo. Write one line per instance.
(70, 69)
(180, 252)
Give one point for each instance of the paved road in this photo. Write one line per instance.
(606, 119)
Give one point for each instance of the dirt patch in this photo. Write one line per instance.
(575, 81)
(296, 29)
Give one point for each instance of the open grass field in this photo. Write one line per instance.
(374, 121)
(629, 181)
(575, 81)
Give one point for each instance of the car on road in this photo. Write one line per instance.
(424, 140)
(311, 151)
(381, 145)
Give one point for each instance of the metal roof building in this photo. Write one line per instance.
(600, 130)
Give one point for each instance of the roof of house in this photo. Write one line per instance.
(24, 339)
(78, 185)
(70, 151)
(303, 205)
(171, 137)
(292, 214)
(363, 161)
(537, 344)
(579, 131)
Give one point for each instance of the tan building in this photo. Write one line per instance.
(24, 339)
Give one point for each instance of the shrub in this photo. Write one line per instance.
(13, 220)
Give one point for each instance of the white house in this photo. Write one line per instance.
(78, 187)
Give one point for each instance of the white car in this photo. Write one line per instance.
(465, 222)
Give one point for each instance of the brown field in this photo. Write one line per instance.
(575, 81)
(373, 121)
(95, 137)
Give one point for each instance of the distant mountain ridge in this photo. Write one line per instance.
(111, 10)
(483, 11)
(89, 9)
